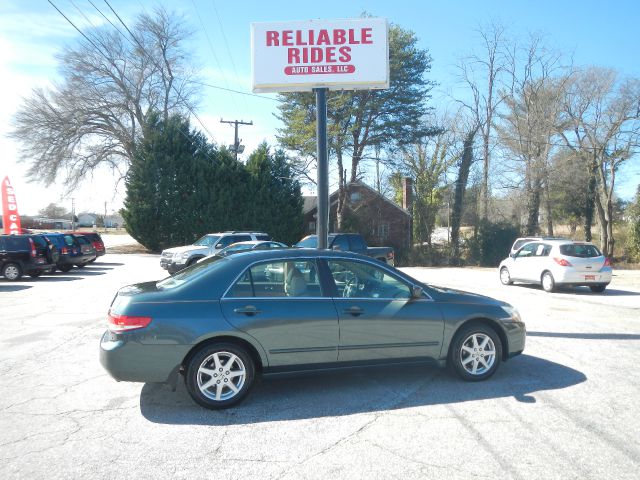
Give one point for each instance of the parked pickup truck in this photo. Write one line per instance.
(350, 242)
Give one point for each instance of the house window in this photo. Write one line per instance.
(312, 226)
(383, 231)
(355, 196)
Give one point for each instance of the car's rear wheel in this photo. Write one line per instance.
(220, 375)
(597, 288)
(476, 352)
(65, 268)
(548, 283)
(505, 276)
(12, 272)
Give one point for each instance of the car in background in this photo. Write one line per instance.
(520, 242)
(96, 241)
(31, 254)
(88, 252)
(175, 259)
(221, 323)
(250, 245)
(70, 251)
(556, 263)
(350, 242)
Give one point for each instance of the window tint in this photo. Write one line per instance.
(357, 244)
(309, 242)
(263, 237)
(16, 243)
(207, 240)
(341, 242)
(209, 264)
(278, 279)
(363, 280)
(241, 238)
(39, 241)
(520, 243)
(83, 241)
(68, 239)
(582, 251)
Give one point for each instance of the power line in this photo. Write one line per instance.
(237, 91)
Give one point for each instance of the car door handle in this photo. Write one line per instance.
(355, 311)
(249, 310)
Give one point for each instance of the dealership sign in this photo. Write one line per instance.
(350, 54)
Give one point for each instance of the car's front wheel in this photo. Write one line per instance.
(505, 276)
(12, 272)
(220, 375)
(548, 283)
(476, 352)
(65, 268)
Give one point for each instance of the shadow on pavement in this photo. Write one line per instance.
(98, 263)
(609, 292)
(13, 288)
(361, 391)
(587, 336)
(54, 277)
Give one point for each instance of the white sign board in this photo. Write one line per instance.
(298, 56)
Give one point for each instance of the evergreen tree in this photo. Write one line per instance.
(276, 196)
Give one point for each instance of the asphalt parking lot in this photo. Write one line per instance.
(566, 408)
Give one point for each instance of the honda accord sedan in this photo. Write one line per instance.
(222, 322)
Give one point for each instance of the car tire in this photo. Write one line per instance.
(597, 288)
(91, 261)
(476, 352)
(12, 272)
(505, 276)
(65, 268)
(193, 261)
(548, 283)
(81, 265)
(212, 382)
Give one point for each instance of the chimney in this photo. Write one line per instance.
(407, 192)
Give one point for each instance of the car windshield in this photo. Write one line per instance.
(207, 241)
(582, 251)
(208, 264)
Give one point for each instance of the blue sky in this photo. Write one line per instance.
(31, 32)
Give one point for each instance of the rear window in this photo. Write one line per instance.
(83, 241)
(263, 237)
(39, 242)
(582, 251)
(309, 242)
(209, 264)
(16, 243)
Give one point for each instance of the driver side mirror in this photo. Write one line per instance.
(416, 291)
(512, 255)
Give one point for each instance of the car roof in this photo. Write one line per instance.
(561, 241)
(285, 253)
(253, 242)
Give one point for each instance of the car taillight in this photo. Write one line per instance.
(34, 253)
(607, 262)
(64, 251)
(562, 262)
(126, 323)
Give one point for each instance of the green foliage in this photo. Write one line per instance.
(634, 222)
(180, 187)
(275, 195)
(492, 242)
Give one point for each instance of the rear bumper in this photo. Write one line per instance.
(38, 268)
(573, 278)
(130, 361)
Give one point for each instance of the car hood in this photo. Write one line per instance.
(186, 248)
(450, 295)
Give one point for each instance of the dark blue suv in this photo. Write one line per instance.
(73, 250)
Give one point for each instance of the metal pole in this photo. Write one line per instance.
(322, 222)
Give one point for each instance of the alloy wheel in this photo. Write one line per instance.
(221, 376)
(12, 272)
(477, 354)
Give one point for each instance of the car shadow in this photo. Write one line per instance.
(586, 336)
(611, 292)
(14, 288)
(107, 264)
(54, 277)
(86, 273)
(358, 391)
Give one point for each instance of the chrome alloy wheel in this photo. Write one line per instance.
(505, 277)
(478, 353)
(221, 376)
(12, 272)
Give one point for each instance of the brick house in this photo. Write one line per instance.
(381, 221)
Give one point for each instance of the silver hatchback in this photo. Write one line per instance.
(554, 263)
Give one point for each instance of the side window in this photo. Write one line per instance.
(528, 250)
(262, 237)
(342, 243)
(226, 241)
(363, 280)
(357, 244)
(68, 239)
(241, 238)
(544, 250)
(278, 279)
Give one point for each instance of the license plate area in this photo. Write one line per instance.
(589, 277)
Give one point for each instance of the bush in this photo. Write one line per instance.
(492, 243)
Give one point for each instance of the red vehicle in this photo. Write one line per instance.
(96, 241)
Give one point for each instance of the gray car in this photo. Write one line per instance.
(222, 322)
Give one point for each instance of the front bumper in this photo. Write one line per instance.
(170, 266)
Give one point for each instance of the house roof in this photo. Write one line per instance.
(311, 202)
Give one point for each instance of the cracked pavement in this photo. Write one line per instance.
(566, 409)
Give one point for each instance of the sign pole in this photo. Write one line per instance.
(322, 221)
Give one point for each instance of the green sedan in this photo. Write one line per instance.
(223, 321)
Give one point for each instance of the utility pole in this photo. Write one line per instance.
(73, 214)
(236, 147)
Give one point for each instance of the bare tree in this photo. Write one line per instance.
(529, 125)
(111, 80)
(602, 125)
(482, 74)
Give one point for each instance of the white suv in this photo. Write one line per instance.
(176, 258)
(553, 263)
